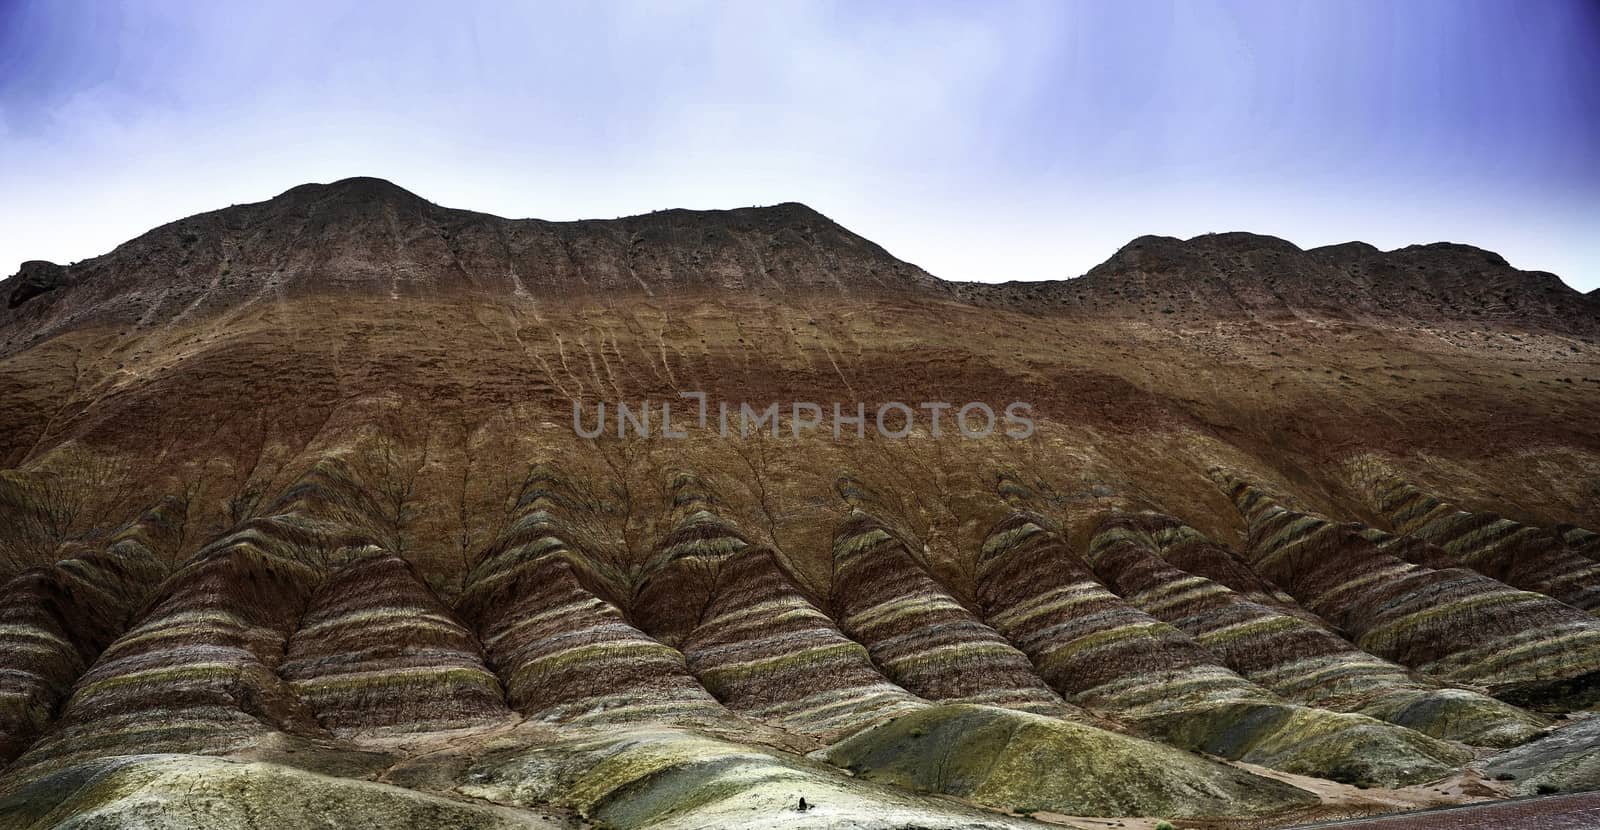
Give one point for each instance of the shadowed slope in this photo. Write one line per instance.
(1290, 655)
(1224, 567)
(682, 576)
(198, 673)
(377, 649)
(1456, 624)
(54, 621)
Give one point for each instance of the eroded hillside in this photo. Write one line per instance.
(294, 506)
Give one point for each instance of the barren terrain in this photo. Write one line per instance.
(293, 513)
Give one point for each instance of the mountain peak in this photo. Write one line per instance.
(1244, 241)
(1344, 252)
(356, 188)
(1247, 275)
(1456, 252)
(1150, 251)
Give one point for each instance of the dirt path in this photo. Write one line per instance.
(1579, 811)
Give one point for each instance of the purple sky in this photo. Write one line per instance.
(985, 141)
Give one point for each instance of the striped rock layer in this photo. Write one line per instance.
(1523, 556)
(333, 508)
(756, 639)
(1086, 642)
(563, 652)
(1295, 658)
(1580, 540)
(1455, 624)
(681, 577)
(1225, 567)
(753, 637)
(1410, 548)
(377, 649)
(1105, 654)
(918, 634)
(55, 621)
(197, 674)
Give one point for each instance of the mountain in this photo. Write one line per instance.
(370, 237)
(304, 519)
(1234, 275)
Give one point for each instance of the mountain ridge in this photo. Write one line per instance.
(370, 235)
(1254, 275)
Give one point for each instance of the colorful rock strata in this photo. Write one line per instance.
(563, 652)
(1101, 652)
(1454, 624)
(378, 650)
(1294, 657)
(1520, 555)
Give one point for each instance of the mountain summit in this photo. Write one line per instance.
(1233, 275)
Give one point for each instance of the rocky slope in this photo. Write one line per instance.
(297, 527)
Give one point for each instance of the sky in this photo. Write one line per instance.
(980, 140)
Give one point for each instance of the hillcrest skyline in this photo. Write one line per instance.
(1022, 142)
